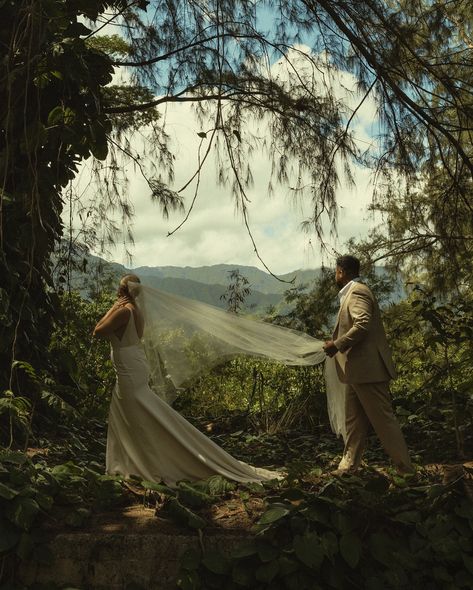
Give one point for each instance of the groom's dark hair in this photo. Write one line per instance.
(350, 264)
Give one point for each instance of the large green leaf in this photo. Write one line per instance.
(183, 515)
(465, 509)
(329, 542)
(287, 565)
(15, 457)
(409, 517)
(55, 116)
(216, 562)
(25, 546)
(217, 485)
(381, 547)
(298, 580)
(468, 561)
(242, 574)
(9, 536)
(192, 496)
(309, 550)
(77, 29)
(6, 492)
(244, 550)
(274, 513)
(267, 552)
(267, 571)
(22, 512)
(350, 548)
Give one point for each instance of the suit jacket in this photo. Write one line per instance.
(359, 335)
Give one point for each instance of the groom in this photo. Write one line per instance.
(364, 363)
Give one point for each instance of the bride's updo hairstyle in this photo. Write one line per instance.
(129, 285)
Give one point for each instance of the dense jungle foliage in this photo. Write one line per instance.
(60, 105)
(313, 530)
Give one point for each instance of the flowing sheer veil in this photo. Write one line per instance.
(183, 338)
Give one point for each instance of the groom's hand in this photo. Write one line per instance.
(329, 348)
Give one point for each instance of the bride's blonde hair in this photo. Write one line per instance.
(133, 289)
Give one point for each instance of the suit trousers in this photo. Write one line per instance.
(370, 403)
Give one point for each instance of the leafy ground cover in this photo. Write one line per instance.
(312, 530)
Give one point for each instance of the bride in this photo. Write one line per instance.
(146, 437)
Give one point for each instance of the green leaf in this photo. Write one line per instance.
(45, 502)
(77, 517)
(350, 548)
(441, 574)
(77, 30)
(22, 512)
(409, 517)
(377, 484)
(465, 509)
(329, 543)
(463, 580)
(468, 561)
(299, 581)
(183, 515)
(98, 145)
(267, 552)
(9, 536)
(15, 457)
(267, 572)
(436, 490)
(342, 522)
(244, 550)
(317, 514)
(309, 550)
(25, 546)
(216, 562)
(218, 485)
(55, 116)
(381, 548)
(242, 574)
(193, 497)
(7, 493)
(273, 514)
(287, 565)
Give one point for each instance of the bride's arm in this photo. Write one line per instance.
(116, 317)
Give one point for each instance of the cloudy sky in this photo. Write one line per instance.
(215, 232)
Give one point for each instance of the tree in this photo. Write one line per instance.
(60, 108)
(237, 291)
(315, 306)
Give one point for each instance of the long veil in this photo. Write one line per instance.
(184, 337)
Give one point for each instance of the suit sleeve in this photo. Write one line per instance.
(360, 308)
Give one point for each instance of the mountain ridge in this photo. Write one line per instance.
(205, 283)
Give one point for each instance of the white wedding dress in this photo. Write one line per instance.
(147, 438)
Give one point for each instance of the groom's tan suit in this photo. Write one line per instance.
(364, 363)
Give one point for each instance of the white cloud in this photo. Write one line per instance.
(215, 233)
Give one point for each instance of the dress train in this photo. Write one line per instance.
(146, 437)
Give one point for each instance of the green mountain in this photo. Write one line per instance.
(218, 274)
(205, 283)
